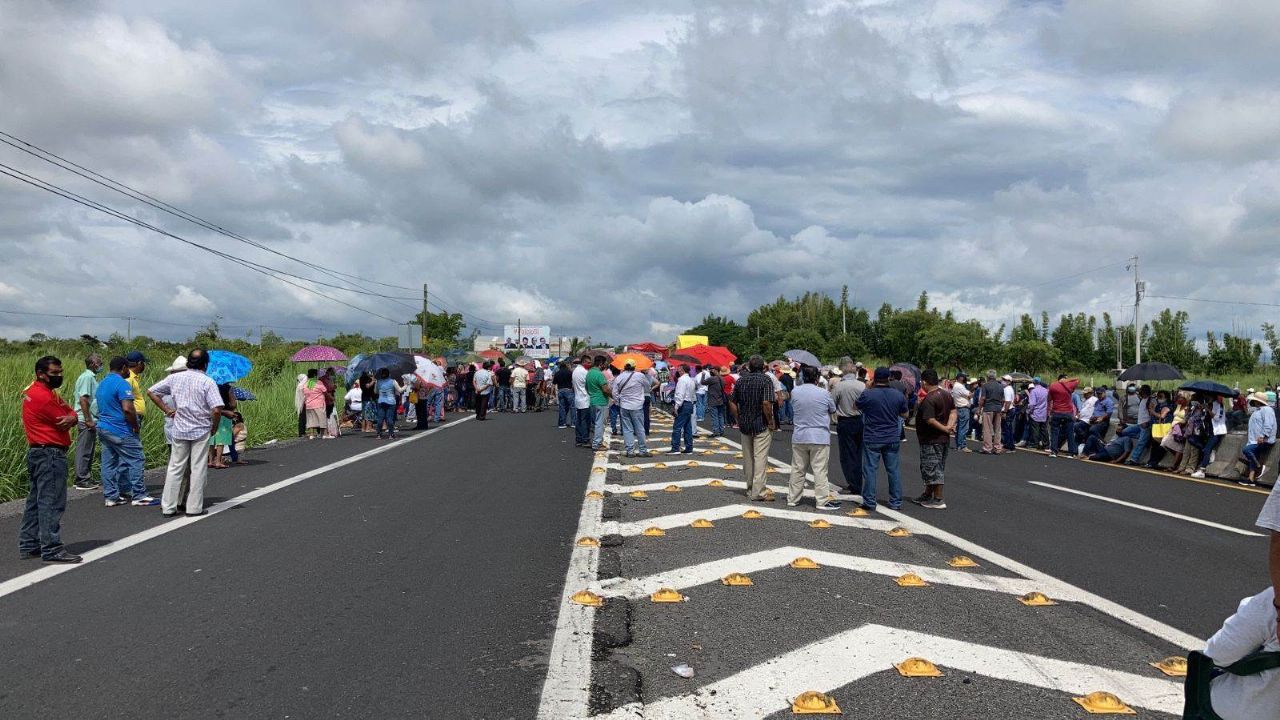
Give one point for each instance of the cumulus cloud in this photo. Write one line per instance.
(189, 302)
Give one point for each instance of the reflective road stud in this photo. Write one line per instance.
(588, 542)
(595, 495)
(633, 469)
(899, 532)
(752, 515)
(660, 466)
(638, 495)
(1036, 599)
(692, 463)
(597, 470)
(736, 580)
(858, 512)
(962, 561)
(819, 524)
(671, 488)
(666, 595)
(701, 523)
(1104, 703)
(730, 466)
(1174, 666)
(716, 483)
(813, 702)
(804, 563)
(911, 580)
(588, 598)
(917, 667)
(654, 532)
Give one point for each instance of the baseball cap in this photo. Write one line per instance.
(882, 373)
(135, 357)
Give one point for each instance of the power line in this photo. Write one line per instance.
(153, 321)
(1220, 302)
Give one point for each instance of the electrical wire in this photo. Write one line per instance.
(1220, 302)
(143, 320)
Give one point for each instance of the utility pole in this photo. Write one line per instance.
(1138, 288)
(128, 329)
(424, 317)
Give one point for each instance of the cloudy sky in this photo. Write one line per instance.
(620, 169)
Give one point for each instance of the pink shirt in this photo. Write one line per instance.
(313, 397)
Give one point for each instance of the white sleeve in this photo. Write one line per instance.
(1252, 627)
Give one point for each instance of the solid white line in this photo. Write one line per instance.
(48, 571)
(702, 482)
(1050, 585)
(567, 689)
(1135, 506)
(729, 512)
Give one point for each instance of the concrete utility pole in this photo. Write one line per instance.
(424, 317)
(128, 331)
(1138, 288)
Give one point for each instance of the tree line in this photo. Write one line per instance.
(927, 336)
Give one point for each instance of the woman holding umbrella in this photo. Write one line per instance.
(313, 392)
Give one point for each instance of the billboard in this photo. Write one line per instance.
(531, 340)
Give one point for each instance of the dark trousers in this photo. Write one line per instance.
(646, 416)
(682, 428)
(1038, 433)
(1062, 430)
(302, 422)
(849, 436)
(420, 409)
(482, 405)
(46, 501)
(582, 425)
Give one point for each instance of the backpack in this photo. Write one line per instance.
(1200, 674)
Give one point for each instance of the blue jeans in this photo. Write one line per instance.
(683, 427)
(387, 417)
(962, 427)
(504, 399)
(872, 454)
(717, 419)
(564, 403)
(598, 413)
(1207, 451)
(633, 433)
(582, 425)
(1144, 437)
(122, 465)
(435, 401)
(1062, 429)
(702, 406)
(46, 501)
(1250, 453)
(614, 413)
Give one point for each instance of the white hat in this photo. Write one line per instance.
(179, 364)
(1007, 378)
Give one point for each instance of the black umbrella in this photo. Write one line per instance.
(399, 363)
(910, 374)
(1152, 371)
(1209, 386)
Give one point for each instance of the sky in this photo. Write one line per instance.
(621, 169)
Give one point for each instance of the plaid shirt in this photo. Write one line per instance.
(194, 397)
(751, 391)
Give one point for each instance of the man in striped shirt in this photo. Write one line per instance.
(197, 408)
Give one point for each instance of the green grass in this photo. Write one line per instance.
(269, 417)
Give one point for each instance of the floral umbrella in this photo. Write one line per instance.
(318, 353)
(226, 366)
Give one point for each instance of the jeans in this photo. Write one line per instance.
(1251, 454)
(1206, 453)
(519, 396)
(1094, 445)
(849, 436)
(504, 399)
(582, 425)
(1062, 429)
(614, 413)
(564, 401)
(1144, 437)
(122, 465)
(717, 419)
(436, 401)
(786, 412)
(646, 415)
(46, 501)
(598, 414)
(683, 427)
(633, 433)
(962, 427)
(386, 416)
(86, 439)
(702, 406)
(872, 455)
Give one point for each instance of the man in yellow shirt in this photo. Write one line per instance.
(137, 363)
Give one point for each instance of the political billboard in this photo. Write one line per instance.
(531, 340)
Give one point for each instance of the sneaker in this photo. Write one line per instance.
(934, 504)
(789, 504)
(145, 501)
(1053, 454)
(645, 454)
(64, 557)
(894, 507)
(1198, 474)
(828, 505)
(965, 449)
(1020, 443)
(28, 554)
(87, 485)
(561, 427)
(922, 499)
(112, 502)
(1246, 482)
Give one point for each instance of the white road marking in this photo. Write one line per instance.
(694, 575)
(567, 689)
(48, 571)
(1157, 511)
(671, 464)
(847, 657)
(725, 512)
(701, 482)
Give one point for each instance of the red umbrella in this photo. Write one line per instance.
(648, 347)
(491, 354)
(709, 354)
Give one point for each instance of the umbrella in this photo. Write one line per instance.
(318, 353)
(910, 374)
(648, 347)
(641, 362)
(607, 352)
(490, 355)
(1152, 371)
(526, 360)
(804, 357)
(398, 363)
(226, 366)
(710, 354)
(679, 359)
(349, 376)
(428, 372)
(243, 395)
(1209, 386)
(1020, 377)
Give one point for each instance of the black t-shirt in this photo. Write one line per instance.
(564, 379)
(504, 376)
(788, 382)
(937, 405)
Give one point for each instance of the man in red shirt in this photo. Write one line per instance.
(729, 380)
(46, 418)
(1062, 415)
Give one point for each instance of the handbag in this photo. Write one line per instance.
(1159, 430)
(1201, 671)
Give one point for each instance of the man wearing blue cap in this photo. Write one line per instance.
(883, 408)
(137, 363)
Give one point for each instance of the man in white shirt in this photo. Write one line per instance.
(703, 374)
(581, 403)
(519, 387)
(685, 396)
(962, 398)
(1251, 629)
(630, 388)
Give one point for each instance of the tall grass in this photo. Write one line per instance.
(269, 417)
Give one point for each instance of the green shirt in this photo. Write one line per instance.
(86, 384)
(595, 387)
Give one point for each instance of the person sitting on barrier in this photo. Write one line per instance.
(1099, 421)
(1113, 452)
(1262, 435)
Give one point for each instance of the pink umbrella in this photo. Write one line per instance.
(318, 353)
(429, 373)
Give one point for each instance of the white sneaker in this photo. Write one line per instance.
(1080, 449)
(1020, 443)
(145, 501)
(1198, 474)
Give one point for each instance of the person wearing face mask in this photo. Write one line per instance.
(87, 421)
(46, 420)
(197, 411)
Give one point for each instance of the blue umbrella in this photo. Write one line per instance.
(399, 363)
(1211, 387)
(226, 367)
(243, 395)
(350, 375)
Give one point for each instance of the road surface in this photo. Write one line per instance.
(430, 578)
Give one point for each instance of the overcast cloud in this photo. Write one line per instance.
(620, 170)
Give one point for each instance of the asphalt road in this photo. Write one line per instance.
(426, 580)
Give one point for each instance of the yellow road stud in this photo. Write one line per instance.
(752, 515)
(898, 532)
(660, 466)
(819, 524)
(1174, 666)
(716, 483)
(701, 523)
(1104, 703)
(812, 702)
(633, 469)
(692, 463)
(671, 488)
(858, 512)
(804, 563)
(736, 580)
(730, 466)
(654, 532)
(597, 469)
(911, 580)
(588, 598)
(638, 495)
(666, 595)
(738, 455)
(962, 561)
(595, 495)
(588, 542)
(708, 452)
(917, 667)
(1036, 599)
